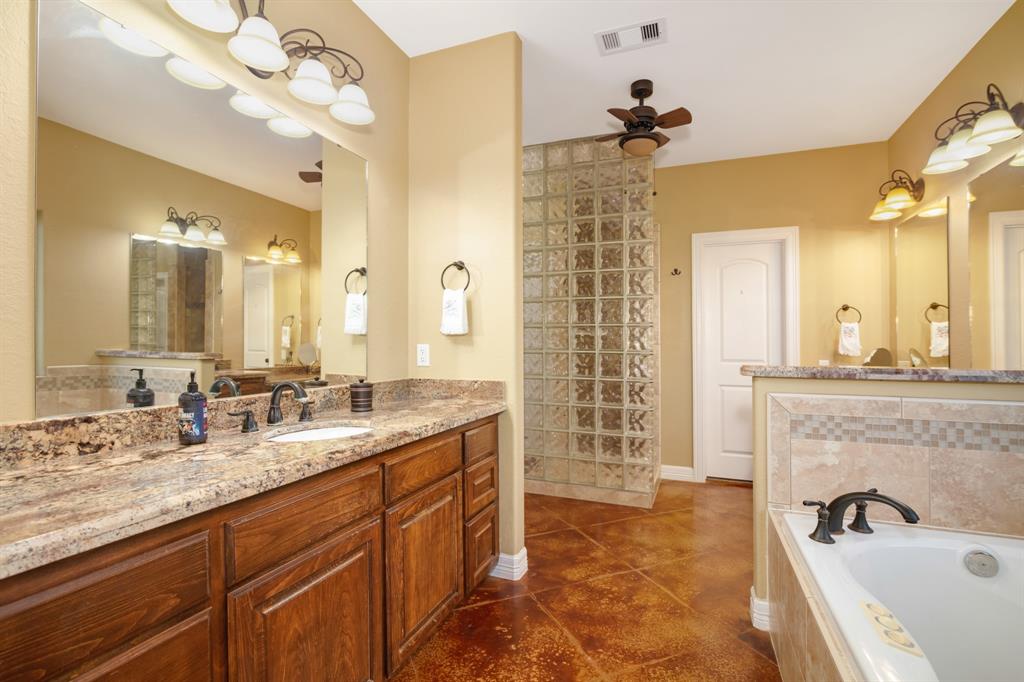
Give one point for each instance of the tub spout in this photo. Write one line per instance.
(837, 508)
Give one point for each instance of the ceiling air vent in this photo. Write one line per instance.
(631, 37)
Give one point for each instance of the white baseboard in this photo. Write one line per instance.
(670, 472)
(510, 566)
(760, 612)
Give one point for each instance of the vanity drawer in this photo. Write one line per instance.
(481, 442)
(269, 535)
(50, 632)
(481, 546)
(419, 466)
(481, 485)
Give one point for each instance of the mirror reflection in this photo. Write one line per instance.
(921, 294)
(181, 227)
(996, 214)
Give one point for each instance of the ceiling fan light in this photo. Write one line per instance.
(194, 233)
(352, 106)
(215, 16)
(638, 144)
(961, 146)
(898, 198)
(190, 74)
(216, 237)
(258, 45)
(993, 127)
(127, 39)
(249, 105)
(312, 83)
(882, 212)
(1018, 159)
(941, 161)
(169, 229)
(288, 127)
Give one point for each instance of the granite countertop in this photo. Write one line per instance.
(934, 374)
(56, 508)
(155, 354)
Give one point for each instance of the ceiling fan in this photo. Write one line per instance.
(313, 176)
(641, 138)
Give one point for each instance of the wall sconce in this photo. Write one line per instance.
(284, 251)
(188, 228)
(900, 191)
(972, 128)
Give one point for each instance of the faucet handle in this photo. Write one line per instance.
(307, 411)
(249, 424)
(860, 518)
(820, 533)
(816, 503)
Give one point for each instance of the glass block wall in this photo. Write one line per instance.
(590, 319)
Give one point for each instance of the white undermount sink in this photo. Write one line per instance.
(326, 433)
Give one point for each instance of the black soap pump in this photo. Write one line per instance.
(192, 415)
(140, 396)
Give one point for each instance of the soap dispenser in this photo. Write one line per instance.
(192, 415)
(140, 396)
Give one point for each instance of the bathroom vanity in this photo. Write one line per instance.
(349, 556)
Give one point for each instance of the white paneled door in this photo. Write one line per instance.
(1006, 246)
(739, 319)
(257, 307)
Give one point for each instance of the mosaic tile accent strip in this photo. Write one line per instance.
(931, 433)
(590, 316)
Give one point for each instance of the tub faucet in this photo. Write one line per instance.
(837, 508)
(274, 415)
(222, 382)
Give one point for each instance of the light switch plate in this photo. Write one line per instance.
(423, 355)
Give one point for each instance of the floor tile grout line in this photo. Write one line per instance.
(572, 639)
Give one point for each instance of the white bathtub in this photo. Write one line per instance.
(968, 628)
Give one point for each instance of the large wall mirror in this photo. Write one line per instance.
(996, 220)
(920, 295)
(177, 234)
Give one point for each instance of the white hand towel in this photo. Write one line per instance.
(355, 314)
(286, 342)
(940, 340)
(849, 338)
(454, 318)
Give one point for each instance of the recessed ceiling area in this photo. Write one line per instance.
(760, 77)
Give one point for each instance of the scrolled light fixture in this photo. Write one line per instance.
(284, 251)
(900, 191)
(189, 228)
(972, 128)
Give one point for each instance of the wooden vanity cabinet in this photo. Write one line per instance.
(337, 577)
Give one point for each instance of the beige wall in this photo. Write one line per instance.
(828, 194)
(92, 194)
(920, 280)
(465, 204)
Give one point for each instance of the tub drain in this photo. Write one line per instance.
(981, 564)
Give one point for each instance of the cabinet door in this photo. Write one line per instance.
(317, 617)
(481, 546)
(424, 565)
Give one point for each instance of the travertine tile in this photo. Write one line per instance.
(840, 406)
(980, 490)
(778, 452)
(992, 412)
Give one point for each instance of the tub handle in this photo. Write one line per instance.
(820, 533)
(860, 518)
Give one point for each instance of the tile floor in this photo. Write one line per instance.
(615, 593)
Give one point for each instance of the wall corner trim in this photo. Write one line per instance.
(510, 566)
(671, 472)
(760, 612)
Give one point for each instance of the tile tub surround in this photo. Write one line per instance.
(155, 354)
(958, 463)
(55, 508)
(70, 389)
(933, 374)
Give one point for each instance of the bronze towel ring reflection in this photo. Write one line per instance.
(458, 265)
(355, 271)
(845, 307)
(934, 306)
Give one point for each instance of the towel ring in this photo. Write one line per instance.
(458, 265)
(845, 307)
(355, 271)
(934, 306)
(289, 318)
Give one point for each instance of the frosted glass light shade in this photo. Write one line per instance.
(934, 211)
(275, 252)
(312, 83)
(898, 198)
(640, 146)
(352, 107)
(881, 212)
(961, 147)
(941, 161)
(216, 237)
(210, 15)
(190, 74)
(194, 234)
(127, 39)
(169, 229)
(995, 126)
(249, 105)
(292, 257)
(1018, 159)
(288, 127)
(258, 45)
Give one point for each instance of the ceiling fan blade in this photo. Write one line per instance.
(661, 137)
(624, 115)
(676, 117)
(605, 138)
(319, 164)
(311, 176)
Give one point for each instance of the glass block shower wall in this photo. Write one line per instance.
(590, 317)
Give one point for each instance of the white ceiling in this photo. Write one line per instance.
(760, 77)
(88, 83)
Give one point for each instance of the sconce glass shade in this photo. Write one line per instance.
(941, 161)
(210, 15)
(288, 127)
(292, 257)
(194, 233)
(1018, 159)
(170, 229)
(216, 237)
(312, 83)
(961, 146)
(190, 74)
(934, 211)
(898, 198)
(274, 252)
(258, 45)
(249, 105)
(352, 107)
(995, 126)
(127, 39)
(882, 212)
